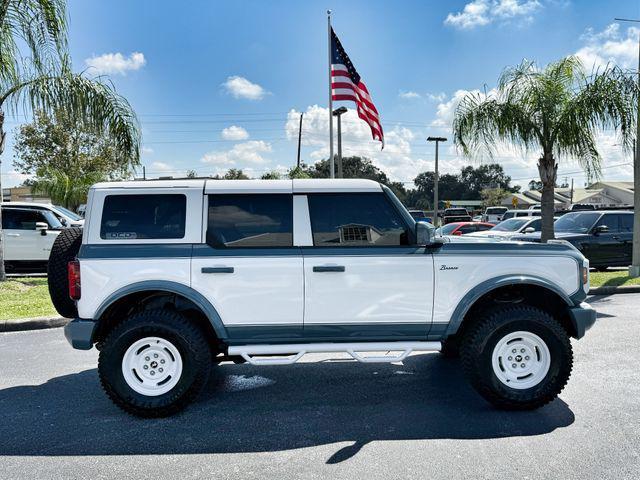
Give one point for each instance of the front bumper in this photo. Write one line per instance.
(79, 333)
(582, 317)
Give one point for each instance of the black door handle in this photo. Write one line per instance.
(328, 268)
(217, 270)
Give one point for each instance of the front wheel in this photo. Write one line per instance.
(154, 363)
(517, 357)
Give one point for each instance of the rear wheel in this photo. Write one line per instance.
(154, 363)
(517, 357)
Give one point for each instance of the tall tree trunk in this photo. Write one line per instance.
(3, 135)
(548, 169)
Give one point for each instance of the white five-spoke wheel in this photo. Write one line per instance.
(152, 366)
(521, 360)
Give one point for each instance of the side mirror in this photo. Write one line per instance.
(425, 233)
(63, 221)
(600, 229)
(529, 230)
(42, 227)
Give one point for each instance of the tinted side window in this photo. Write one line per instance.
(536, 224)
(355, 219)
(140, 217)
(260, 220)
(482, 228)
(626, 223)
(21, 219)
(467, 229)
(611, 221)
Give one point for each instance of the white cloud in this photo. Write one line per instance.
(436, 97)
(396, 159)
(483, 12)
(240, 87)
(241, 155)
(147, 150)
(116, 63)
(234, 133)
(445, 111)
(409, 95)
(161, 167)
(610, 46)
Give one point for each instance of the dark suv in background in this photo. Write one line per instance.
(605, 238)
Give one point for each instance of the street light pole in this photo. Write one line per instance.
(634, 268)
(338, 112)
(435, 179)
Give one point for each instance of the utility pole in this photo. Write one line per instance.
(144, 173)
(299, 139)
(634, 268)
(436, 221)
(338, 112)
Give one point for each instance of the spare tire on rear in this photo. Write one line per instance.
(64, 249)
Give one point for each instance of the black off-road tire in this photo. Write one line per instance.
(65, 249)
(185, 335)
(450, 348)
(477, 350)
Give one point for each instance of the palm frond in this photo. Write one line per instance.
(91, 101)
(480, 124)
(40, 24)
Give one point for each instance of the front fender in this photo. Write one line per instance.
(487, 286)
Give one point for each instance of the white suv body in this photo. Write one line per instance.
(27, 236)
(293, 266)
(64, 215)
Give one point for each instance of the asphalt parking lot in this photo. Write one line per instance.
(333, 419)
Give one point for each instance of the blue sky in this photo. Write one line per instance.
(220, 84)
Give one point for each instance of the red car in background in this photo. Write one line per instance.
(462, 228)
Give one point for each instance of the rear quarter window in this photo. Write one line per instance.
(141, 217)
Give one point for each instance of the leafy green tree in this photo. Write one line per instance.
(486, 176)
(232, 174)
(192, 174)
(556, 110)
(60, 143)
(35, 74)
(492, 197)
(357, 167)
(273, 175)
(298, 172)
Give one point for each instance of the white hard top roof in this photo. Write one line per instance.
(254, 186)
(292, 186)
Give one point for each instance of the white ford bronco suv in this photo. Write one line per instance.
(169, 278)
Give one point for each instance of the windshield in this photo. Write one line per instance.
(511, 225)
(447, 229)
(67, 213)
(579, 222)
(456, 211)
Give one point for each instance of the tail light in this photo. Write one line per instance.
(73, 271)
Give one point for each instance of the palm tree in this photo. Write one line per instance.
(556, 111)
(64, 190)
(35, 74)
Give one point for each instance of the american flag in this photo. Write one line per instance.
(346, 84)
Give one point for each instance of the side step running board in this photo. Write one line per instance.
(296, 351)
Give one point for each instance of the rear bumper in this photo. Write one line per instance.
(79, 333)
(583, 317)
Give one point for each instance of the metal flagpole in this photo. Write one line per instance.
(331, 160)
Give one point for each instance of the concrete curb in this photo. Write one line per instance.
(613, 290)
(32, 323)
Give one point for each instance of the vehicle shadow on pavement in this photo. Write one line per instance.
(264, 409)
